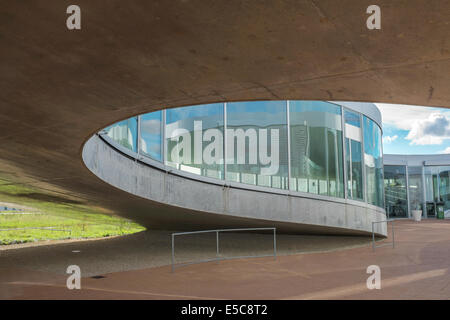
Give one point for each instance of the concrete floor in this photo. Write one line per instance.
(418, 268)
(153, 249)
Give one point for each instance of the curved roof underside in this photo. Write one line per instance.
(58, 87)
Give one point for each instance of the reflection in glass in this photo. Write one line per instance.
(151, 135)
(395, 191)
(431, 190)
(257, 143)
(316, 148)
(124, 133)
(373, 160)
(194, 139)
(416, 196)
(353, 139)
(444, 187)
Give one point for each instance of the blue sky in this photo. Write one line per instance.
(415, 129)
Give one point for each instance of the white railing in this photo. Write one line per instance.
(218, 258)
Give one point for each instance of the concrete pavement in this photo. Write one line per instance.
(418, 268)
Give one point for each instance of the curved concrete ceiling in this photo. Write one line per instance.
(58, 87)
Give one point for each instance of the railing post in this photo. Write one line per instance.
(393, 239)
(173, 253)
(274, 243)
(373, 237)
(217, 245)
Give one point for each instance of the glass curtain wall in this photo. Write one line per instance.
(257, 143)
(124, 133)
(431, 190)
(416, 194)
(256, 146)
(444, 187)
(151, 138)
(428, 186)
(373, 160)
(395, 191)
(316, 148)
(194, 139)
(353, 147)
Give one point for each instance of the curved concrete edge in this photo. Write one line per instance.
(293, 213)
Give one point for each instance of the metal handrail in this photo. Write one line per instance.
(217, 258)
(373, 234)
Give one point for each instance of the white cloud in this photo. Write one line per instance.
(432, 130)
(402, 115)
(389, 139)
(426, 125)
(151, 126)
(446, 150)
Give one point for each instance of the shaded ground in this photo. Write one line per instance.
(153, 249)
(418, 268)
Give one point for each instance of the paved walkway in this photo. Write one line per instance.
(418, 268)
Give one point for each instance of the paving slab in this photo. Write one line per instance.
(417, 268)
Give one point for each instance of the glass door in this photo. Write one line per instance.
(395, 191)
(431, 190)
(416, 196)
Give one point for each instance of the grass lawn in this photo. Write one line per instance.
(74, 228)
(52, 210)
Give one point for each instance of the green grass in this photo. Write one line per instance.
(55, 210)
(75, 228)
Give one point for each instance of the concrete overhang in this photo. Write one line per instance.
(59, 87)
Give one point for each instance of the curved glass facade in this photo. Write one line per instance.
(313, 147)
(194, 139)
(373, 160)
(354, 159)
(316, 148)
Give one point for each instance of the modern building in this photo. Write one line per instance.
(304, 166)
(416, 182)
(60, 87)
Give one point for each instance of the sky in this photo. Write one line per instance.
(415, 129)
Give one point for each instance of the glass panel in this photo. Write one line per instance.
(373, 159)
(444, 188)
(416, 196)
(257, 143)
(124, 133)
(431, 190)
(316, 148)
(194, 139)
(354, 155)
(396, 193)
(348, 165)
(151, 135)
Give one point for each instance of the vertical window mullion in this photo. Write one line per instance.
(164, 138)
(350, 161)
(363, 160)
(138, 134)
(225, 141)
(288, 124)
(344, 153)
(326, 162)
